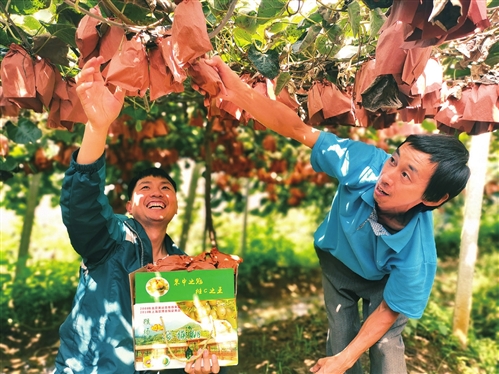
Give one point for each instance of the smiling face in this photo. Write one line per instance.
(153, 201)
(403, 181)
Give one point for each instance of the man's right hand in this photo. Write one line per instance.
(272, 114)
(204, 364)
(231, 81)
(101, 106)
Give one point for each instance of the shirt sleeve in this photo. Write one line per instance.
(92, 226)
(347, 160)
(408, 289)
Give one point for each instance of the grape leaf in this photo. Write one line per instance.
(29, 6)
(65, 32)
(25, 132)
(269, 9)
(266, 63)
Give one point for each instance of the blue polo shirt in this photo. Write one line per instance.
(351, 233)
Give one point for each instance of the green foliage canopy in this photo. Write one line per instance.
(297, 43)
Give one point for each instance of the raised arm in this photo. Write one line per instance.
(272, 114)
(101, 107)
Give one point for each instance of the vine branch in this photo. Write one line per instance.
(224, 21)
(10, 23)
(116, 11)
(127, 23)
(207, 193)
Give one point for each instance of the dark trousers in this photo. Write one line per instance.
(342, 291)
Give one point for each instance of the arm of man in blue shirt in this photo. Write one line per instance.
(374, 327)
(272, 114)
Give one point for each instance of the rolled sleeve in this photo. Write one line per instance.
(86, 211)
(408, 289)
(349, 161)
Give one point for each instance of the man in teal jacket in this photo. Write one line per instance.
(97, 335)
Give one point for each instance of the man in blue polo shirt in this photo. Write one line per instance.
(376, 243)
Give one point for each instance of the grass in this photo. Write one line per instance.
(293, 345)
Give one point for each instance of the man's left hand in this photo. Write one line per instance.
(202, 365)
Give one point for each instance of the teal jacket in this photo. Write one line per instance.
(97, 335)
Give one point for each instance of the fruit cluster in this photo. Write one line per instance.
(204, 261)
(221, 309)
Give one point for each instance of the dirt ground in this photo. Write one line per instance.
(27, 351)
(23, 351)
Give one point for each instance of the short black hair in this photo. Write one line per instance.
(451, 157)
(149, 172)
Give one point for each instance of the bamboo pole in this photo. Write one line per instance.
(479, 152)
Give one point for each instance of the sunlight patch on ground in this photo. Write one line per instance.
(265, 312)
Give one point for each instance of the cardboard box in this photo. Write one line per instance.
(175, 313)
